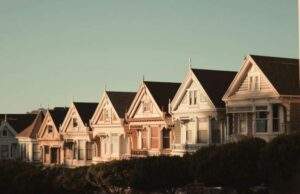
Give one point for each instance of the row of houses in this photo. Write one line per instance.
(208, 107)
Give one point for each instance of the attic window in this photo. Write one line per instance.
(192, 97)
(147, 106)
(254, 83)
(4, 133)
(75, 123)
(50, 129)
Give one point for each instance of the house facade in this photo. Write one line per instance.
(149, 120)
(49, 136)
(27, 140)
(11, 125)
(77, 134)
(108, 124)
(264, 98)
(198, 112)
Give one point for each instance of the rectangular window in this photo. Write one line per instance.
(195, 97)
(4, 133)
(189, 137)
(190, 97)
(242, 122)
(50, 129)
(75, 123)
(250, 83)
(166, 138)
(89, 150)
(144, 139)
(275, 108)
(4, 152)
(23, 151)
(256, 83)
(114, 143)
(202, 136)
(154, 137)
(68, 150)
(81, 150)
(261, 122)
(36, 152)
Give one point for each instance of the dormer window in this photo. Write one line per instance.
(192, 97)
(75, 122)
(4, 133)
(50, 129)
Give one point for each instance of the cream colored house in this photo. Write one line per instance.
(264, 98)
(10, 126)
(27, 140)
(198, 112)
(108, 124)
(77, 134)
(49, 137)
(149, 119)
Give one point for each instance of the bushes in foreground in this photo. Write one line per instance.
(239, 166)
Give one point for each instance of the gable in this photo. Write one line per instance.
(105, 113)
(73, 122)
(8, 129)
(48, 129)
(144, 105)
(253, 83)
(193, 99)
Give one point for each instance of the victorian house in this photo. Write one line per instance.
(149, 119)
(264, 98)
(49, 137)
(27, 140)
(77, 134)
(198, 111)
(108, 124)
(11, 125)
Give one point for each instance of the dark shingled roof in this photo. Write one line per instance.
(85, 110)
(58, 115)
(121, 101)
(162, 92)
(18, 121)
(32, 130)
(215, 83)
(283, 73)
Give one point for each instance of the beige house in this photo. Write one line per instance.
(49, 137)
(10, 126)
(108, 124)
(27, 140)
(198, 112)
(264, 98)
(149, 119)
(77, 134)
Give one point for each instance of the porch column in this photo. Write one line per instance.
(85, 151)
(270, 119)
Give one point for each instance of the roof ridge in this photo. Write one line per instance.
(213, 70)
(275, 57)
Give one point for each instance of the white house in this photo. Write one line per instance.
(108, 124)
(77, 134)
(198, 112)
(11, 125)
(263, 100)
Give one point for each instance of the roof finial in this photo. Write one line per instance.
(105, 87)
(5, 117)
(190, 63)
(143, 78)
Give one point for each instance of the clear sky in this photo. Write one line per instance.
(54, 51)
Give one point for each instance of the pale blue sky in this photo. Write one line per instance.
(52, 51)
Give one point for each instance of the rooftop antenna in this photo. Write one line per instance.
(105, 87)
(190, 63)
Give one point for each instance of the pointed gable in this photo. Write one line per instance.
(121, 101)
(85, 110)
(58, 115)
(162, 92)
(215, 83)
(283, 73)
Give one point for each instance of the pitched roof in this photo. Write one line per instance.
(215, 83)
(32, 130)
(58, 115)
(85, 110)
(121, 101)
(283, 73)
(18, 121)
(162, 92)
